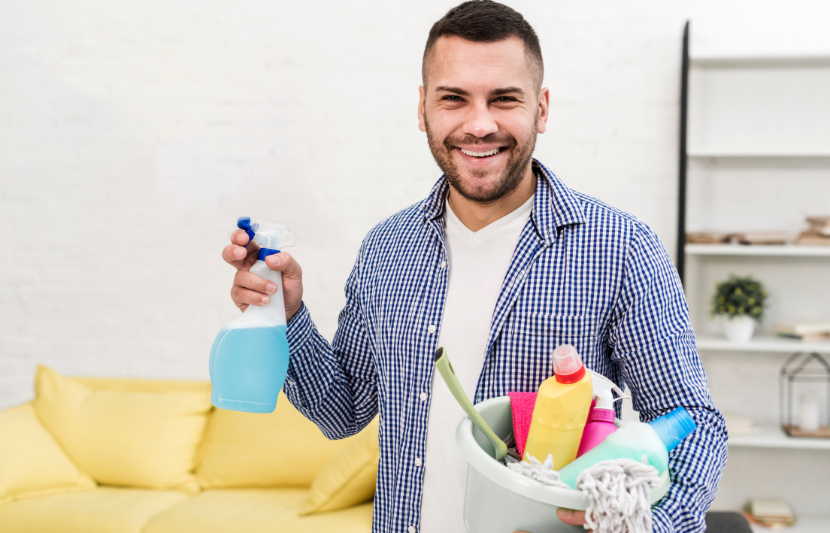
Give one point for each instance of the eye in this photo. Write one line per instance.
(452, 98)
(505, 99)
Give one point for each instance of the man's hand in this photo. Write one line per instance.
(569, 516)
(250, 289)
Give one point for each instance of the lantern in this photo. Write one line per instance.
(804, 388)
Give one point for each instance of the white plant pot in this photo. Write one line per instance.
(738, 329)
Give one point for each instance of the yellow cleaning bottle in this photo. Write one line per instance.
(561, 410)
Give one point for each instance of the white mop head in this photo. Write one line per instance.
(618, 496)
(617, 492)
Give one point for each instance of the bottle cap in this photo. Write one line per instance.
(673, 427)
(601, 415)
(567, 365)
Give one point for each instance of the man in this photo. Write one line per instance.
(500, 264)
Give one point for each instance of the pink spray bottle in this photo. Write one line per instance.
(601, 417)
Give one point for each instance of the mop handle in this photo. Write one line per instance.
(442, 363)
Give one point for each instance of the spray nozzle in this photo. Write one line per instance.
(270, 237)
(602, 390)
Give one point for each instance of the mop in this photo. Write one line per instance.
(617, 491)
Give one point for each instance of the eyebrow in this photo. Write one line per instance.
(497, 92)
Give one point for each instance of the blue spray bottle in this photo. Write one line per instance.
(249, 357)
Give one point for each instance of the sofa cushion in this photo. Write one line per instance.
(102, 510)
(123, 437)
(256, 511)
(279, 449)
(32, 463)
(349, 477)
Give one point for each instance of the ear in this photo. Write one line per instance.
(422, 100)
(544, 109)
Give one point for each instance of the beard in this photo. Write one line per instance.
(486, 191)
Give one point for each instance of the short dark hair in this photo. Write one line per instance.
(485, 21)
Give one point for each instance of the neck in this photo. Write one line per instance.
(477, 215)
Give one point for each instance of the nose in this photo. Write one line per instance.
(479, 121)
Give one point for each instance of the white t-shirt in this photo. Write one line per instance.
(477, 263)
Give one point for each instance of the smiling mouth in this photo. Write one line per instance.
(488, 153)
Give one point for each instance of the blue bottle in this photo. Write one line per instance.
(650, 442)
(249, 357)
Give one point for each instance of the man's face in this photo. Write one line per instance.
(481, 111)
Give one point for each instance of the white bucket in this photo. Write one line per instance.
(499, 500)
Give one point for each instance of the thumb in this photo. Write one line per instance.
(285, 263)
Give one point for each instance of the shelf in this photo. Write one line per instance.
(794, 250)
(761, 344)
(774, 437)
(805, 524)
(759, 154)
(750, 61)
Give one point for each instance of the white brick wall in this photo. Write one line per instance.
(132, 134)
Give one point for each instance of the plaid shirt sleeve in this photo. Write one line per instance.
(654, 345)
(334, 385)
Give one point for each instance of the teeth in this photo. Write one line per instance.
(480, 154)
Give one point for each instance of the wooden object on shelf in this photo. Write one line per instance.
(806, 337)
(707, 237)
(795, 431)
(819, 225)
(770, 513)
(807, 238)
(804, 331)
(765, 237)
(802, 327)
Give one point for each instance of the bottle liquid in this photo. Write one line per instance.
(651, 442)
(601, 417)
(249, 357)
(561, 410)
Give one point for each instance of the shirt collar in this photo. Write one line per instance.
(555, 204)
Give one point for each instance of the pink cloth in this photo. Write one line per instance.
(522, 403)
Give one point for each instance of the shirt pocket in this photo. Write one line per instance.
(562, 326)
(533, 337)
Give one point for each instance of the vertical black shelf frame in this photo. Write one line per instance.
(683, 159)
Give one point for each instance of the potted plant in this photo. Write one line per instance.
(741, 302)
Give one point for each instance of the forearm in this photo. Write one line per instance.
(318, 385)
(655, 345)
(695, 466)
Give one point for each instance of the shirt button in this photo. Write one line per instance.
(411, 529)
(431, 329)
(423, 396)
(443, 264)
(417, 461)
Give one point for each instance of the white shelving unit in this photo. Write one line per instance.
(749, 154)
(755, 142)
(774, 437)
(805, 524)
(763, 249)
(761, 343)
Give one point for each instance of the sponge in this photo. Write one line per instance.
(521, 403)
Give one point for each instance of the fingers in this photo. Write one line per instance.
(242, 296)
(569, 516)
(234, 255)
(283, 262)
(246, 280)
(239, 237)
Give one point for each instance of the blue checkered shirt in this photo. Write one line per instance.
(583, 273)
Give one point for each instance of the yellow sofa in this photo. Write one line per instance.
(93, 455)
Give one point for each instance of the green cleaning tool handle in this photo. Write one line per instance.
(442, 363)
